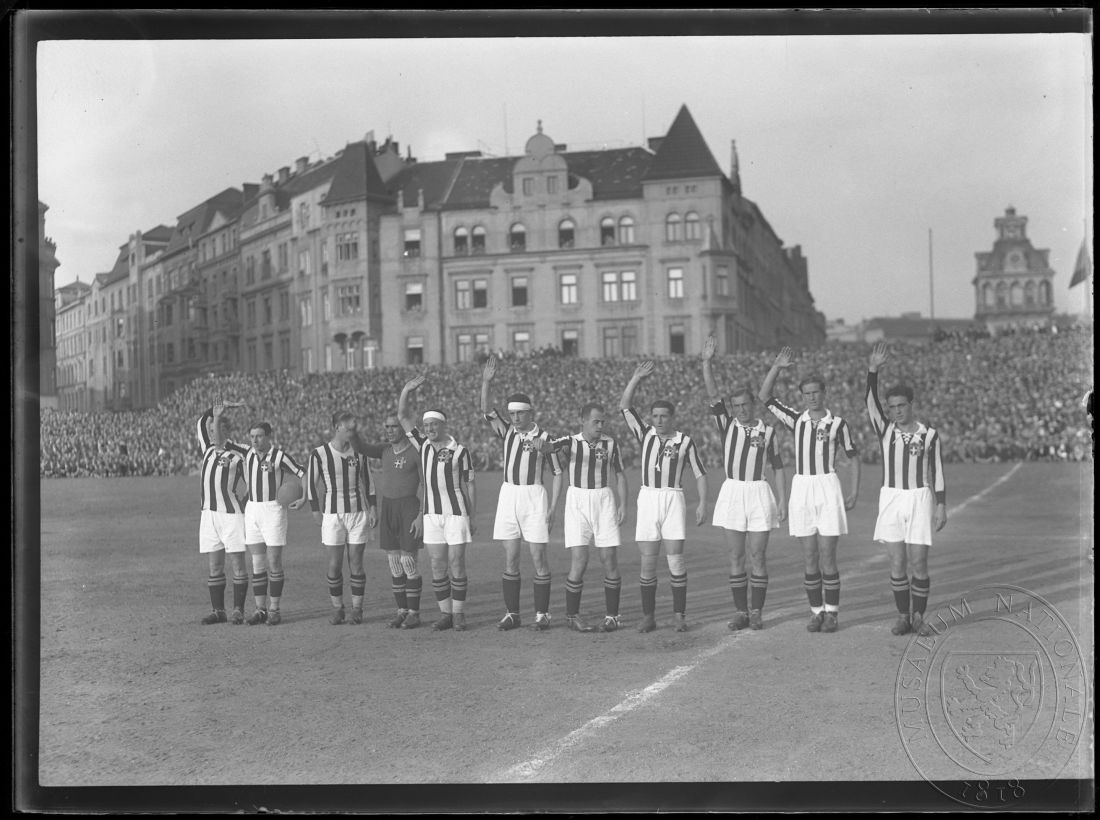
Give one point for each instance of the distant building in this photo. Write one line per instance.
(912, 327)
(70, 308)
(837, 331)
(616, 252)
(1014, 281)
(47, 330)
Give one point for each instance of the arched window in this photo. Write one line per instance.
(987, 294)
(462, 241)
(566, 233)
(626, 230)
(692, 227)
(477, 240)
(674, 228)
(1017, 294)
(517, 238)
(1044, 293)
(1002, 295)
(1029, 294)
(607, 231)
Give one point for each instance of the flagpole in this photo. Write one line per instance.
(931, 285)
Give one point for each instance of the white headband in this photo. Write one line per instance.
(515, 406)
(434, 414)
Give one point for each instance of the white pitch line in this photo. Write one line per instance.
(633, 700)
(627, 705)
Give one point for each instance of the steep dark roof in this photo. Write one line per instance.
(194, 223)
(121, 269)
(356, 177)
(161, 233)
(683, 152)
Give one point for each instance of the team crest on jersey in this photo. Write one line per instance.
(822, 434)
(399, 463)
(225, 459)
(599, 453)
(267, 466)
(756, 440)
(669, 451)
(916, 447)
(443, 456)
(528, 445)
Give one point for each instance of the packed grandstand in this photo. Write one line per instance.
(1018, 396)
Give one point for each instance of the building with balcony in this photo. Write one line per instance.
(1014, 281)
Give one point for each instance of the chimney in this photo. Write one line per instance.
(265, 184)
(301, 164)
(284, 174)
(735, 167)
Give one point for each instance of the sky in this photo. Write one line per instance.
(854, 147)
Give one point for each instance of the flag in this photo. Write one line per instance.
(1083, 269)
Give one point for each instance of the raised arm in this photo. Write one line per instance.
(403, 402)
(642, 371)
(879, 357)
(487, 376)
(709, 346)
(783, 360)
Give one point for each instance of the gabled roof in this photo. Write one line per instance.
(356, 177)
(161, 233)
(194, 223)
(683, 152)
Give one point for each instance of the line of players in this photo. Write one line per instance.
(431, 500)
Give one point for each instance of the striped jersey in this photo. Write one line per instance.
(222, 468)
(445, 468)
(663, 462)
(746, 449)
(264, 472)
(590, 464)
(816, 441)
(909, 460)
(400, 471)
(523, 463)
(344, 475)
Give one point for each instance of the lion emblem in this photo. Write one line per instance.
(992, 713)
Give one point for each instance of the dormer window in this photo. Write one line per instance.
(528, 186)
(412, 242)
(607, 231)
(626, 230)
(462, 241)
(566, 231)
(477, 240)
(551, 185)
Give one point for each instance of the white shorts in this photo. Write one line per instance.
(660, 515)
(746, 506)
(816, 506)
(265, 523)
(221, 531)
(521, 513)
(591, 515)
(338, 529)
(905, 516)
(446, 529)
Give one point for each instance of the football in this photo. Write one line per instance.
(289, 491)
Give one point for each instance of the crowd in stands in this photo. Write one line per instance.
(1016, 396)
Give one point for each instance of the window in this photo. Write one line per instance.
(517, 238)
(347, 246)
(303, 214)
(91, 367)
(250, 359)
(412, 242)
(119, 359)
(414, 350)
(284, 307)
(676, 340)
(528, 186)
(481, 342)
(477, 240)
(269, 354)
(305, 309)
(265, 265)
(462, 241)
(1044, 293)
(462, 294)
(675, 283)
(570, 342)
(607, 231)
(987, 293)
(481, 293)
(551, 185)
(465, 347)
(626, 230)
(1029, 294)
(1002, 295)
(267, 310)
(305, 263)
(610, 286)
(120, 328)
(610, 341)
(628, 291)
(630, 340)
(307, 360)
(414, 295)
(519, 291)
(250, 313)
(284, 350)
(348, 297)
(1016, 294)
(284, 256)
(324, 259)
(168, 314)
(568, 288)
(169, 354)
(722, 280)
(250, 270)
(521, 340)
(328, 358)
(674, 228)
(326, 309)
(693, 229)
(566, 231)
